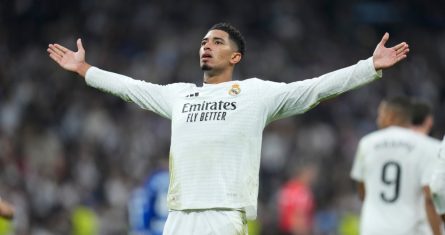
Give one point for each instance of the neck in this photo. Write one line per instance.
(420, 129)
(398, 124)
(402, 124)
(213, 77)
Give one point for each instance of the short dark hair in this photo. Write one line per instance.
(401, 106)
(234, 34)
(420, 111)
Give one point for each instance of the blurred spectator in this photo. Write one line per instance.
(349, 224)
(84, 221)
(254, 227)
(6, 210)
(296, 202)
(148, 203)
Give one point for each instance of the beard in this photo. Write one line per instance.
(205, 67)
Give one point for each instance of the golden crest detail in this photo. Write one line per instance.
(234, 90)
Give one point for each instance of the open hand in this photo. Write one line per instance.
(384, 57)
(67, 59)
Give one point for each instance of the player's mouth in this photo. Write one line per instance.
(206, 56)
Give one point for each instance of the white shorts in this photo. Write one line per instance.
(206, 222)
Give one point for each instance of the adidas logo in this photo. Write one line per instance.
(196, 94)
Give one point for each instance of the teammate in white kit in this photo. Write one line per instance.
(437, 183)
(422, 121)
(217, 127)
(393, 168)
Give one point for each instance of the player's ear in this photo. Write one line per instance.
(236, 58)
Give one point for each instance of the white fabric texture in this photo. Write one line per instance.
(394, 164)
(206, 222)
(217, 128)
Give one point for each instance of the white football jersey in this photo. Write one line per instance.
(394, 164)
(437, 183)
(217, 128)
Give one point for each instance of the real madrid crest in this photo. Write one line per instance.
(234, 90)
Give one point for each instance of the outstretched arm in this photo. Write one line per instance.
(361, 191)
(437, 186)
(69, 60)
(156, 98)
(298, 97)
(384, 57)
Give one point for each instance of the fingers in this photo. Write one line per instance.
(54, 53)
(53, 49)
(402, 54)
(57, 52)
(403, 51)
(55, 57)
(384, 39)
(399, 58)
(79, 45)
(401, 47)
(61, 48)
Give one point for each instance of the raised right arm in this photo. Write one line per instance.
(153, 97)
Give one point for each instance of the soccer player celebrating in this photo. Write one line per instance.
(217, 127)
(422, 121)
(392, 167)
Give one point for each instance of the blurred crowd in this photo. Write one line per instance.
(70, 155)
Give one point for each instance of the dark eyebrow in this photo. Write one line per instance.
(214, 38)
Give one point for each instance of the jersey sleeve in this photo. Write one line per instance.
(430, 164)
(437, 183)
(437, 186)
(153, 97)
(441, 154)
(358, 166)
(286, 99)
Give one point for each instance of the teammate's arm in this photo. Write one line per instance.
(433, 217)
(437, 187)
(361, 191)
(6, 210)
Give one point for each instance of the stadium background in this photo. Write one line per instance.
(70, 155)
